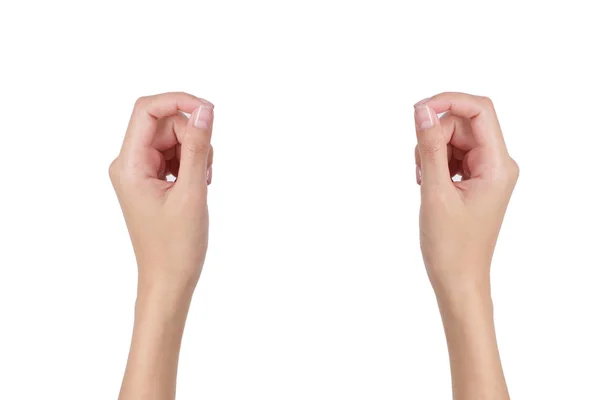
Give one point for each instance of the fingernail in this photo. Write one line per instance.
(208, 103)
(418, 175)
(424, 117)
(209, 175)
(203, 117)
(422, 101)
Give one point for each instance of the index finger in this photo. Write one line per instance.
(149, 109)
(479, 110)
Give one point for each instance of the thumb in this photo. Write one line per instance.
(431, 146)
(195, 148)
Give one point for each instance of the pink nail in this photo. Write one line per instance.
(208, 103)
(203, 117)
(419, 176)
(209, 175)
(424, 117)
(425, 100)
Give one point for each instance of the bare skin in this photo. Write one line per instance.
(168, 226)
(459, 224)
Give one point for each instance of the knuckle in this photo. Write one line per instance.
(514, 169)
(141, 102)
(114, 170)
(509, 173)
(198, 147)
(430, 148)
(487, 102)
(211, 154)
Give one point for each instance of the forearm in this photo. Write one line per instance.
(160, 316)
(467, 315)
(168, 225)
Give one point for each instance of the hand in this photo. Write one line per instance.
(167, 221)
(460, 221)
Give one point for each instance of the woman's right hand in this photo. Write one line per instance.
(167, 221)
(460, 221)
(168, 225)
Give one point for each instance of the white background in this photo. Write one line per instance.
(313, 287)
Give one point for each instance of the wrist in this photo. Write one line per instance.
(162, 299)
(170, 280)
(460, 280)
(465, 301)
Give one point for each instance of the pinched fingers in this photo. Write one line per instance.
(150, 109)
(155, 133)
(456, 132)
(479, 110)
(471, 125)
